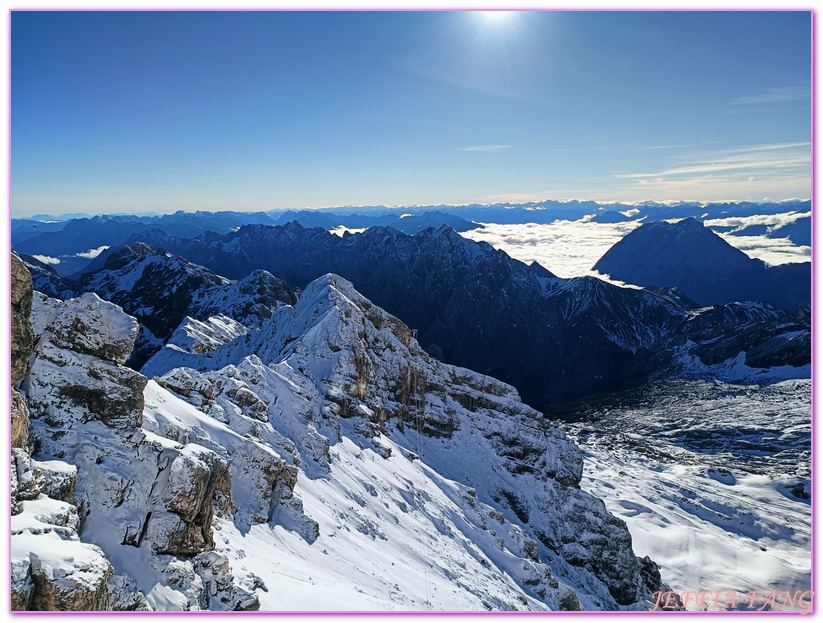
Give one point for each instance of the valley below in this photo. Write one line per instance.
(712, 479)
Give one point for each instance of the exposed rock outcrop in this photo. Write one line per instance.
(22, 334)
(22, 343)
(191, 482)
(20, 426)
(77, 372)
(88, 409)
(336, 365)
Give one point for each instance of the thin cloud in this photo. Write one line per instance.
(776, 96)
(715, 167)
(772, 221)
(679, 146)
(748, 158)
(484, 148)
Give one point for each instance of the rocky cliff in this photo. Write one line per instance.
(320, 461)
(161, 290)
(360, 375)
(93, 457)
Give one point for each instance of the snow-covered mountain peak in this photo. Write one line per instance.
(331, 287)
(335, 372)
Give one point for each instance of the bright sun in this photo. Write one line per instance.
(495, 17)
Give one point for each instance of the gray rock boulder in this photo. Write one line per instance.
(76, 372)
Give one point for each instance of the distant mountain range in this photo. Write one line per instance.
(470, 305)
(408, 223)
(75, 242)
(703, 266)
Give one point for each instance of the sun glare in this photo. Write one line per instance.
(495, 17)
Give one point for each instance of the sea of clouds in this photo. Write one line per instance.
(572, 248)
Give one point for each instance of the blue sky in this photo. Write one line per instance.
(159, 111)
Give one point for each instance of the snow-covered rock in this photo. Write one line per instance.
(87, 325)
(325, 443)
(160, 290)
(335, 369)
(51, 569)
(76, 371)
(204, 336)
(97, 466)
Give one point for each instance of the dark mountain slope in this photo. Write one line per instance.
(46, 279)
(472, 305)
(80, 235)
(160, 290)
(704, 266)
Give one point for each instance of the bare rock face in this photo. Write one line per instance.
(191, 483)
(77, 372)
(20, 426)
(22, 334)
(22, 343)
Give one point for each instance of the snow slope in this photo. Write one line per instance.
(338, 364)
(323, 461)
(712, 478)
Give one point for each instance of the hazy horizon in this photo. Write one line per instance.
(441, 206)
